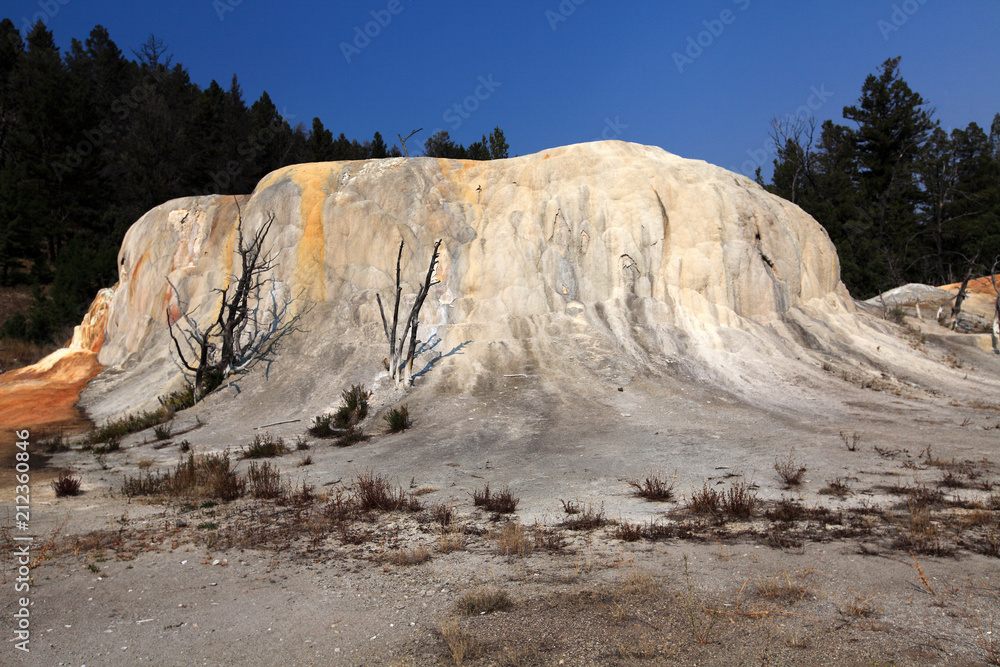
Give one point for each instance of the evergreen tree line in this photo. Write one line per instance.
(902, 199)
(90, 140)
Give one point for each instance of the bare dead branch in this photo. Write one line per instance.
(403, 141)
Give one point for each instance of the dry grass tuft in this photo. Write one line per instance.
(785, 587)
(451, 540)
(483, 600)
(512, 540)
(405, 557)
(861, 606)
(462, 645)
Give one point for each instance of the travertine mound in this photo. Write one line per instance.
(603, 256)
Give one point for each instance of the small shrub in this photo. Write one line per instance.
(628, 532)
(570, 507)
(223, 482)
(548, 538)
(706, 501)
(483, 600)
(789, 471)
(922, 496)
(265, 446)
(374, 492)
(322, 426)
(306, 461)
(740, 501)
(66, 485)
(351, 436)
(178, 400)
(56, 444)
(398, 419)
(302, 496)
(112, 444)
(654, 487)
(837, 487)
(354, 407)
(786, 510)
(130, 423)
(501, 502)
(162, 431)
(851, 441)
(264, 481)
(896, 314)
(443, 515)
(185, 446)
(144, 484)
(301, 444)
(587, 519)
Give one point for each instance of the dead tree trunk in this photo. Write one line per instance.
(398, 365)
(403, 141)
(995, 334)
(956, 310)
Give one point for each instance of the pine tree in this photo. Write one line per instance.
(892, 130)
(498, 145)
(378, 148)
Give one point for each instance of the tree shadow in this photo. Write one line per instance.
(428, 346)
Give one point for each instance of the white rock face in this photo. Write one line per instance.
(638, 255)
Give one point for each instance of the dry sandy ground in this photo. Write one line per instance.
(902, 570)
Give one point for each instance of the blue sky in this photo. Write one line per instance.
(565, 71)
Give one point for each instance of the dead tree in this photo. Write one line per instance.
(956, 309)
(793, 142)
(995, 332)
(403, 141)
(248, 325)
(396, 362)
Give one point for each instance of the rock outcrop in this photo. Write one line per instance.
(608, 256)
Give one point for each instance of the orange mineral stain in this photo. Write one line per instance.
(310, 265)
(42, 397)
